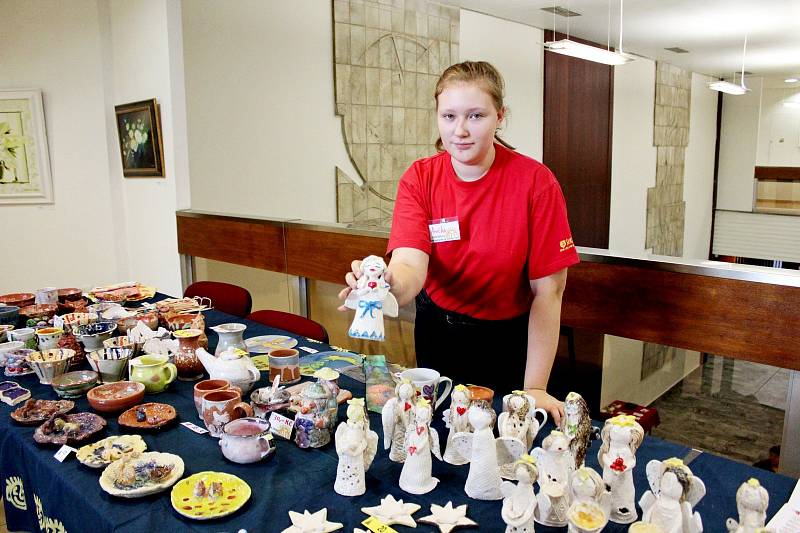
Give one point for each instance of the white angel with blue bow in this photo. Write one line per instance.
(371, 300)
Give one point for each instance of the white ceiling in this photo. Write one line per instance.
(712, 30)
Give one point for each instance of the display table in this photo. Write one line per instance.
(67, 496)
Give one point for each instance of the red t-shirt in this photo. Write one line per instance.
(513, 225)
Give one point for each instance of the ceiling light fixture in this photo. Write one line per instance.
(731, 88)
(791, 80)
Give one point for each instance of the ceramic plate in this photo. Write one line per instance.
(235, 493)
(26, 372)
(69, 429)
(310, 363)
(34, 412)
(156, 416)
(149, 473)
(104, 452)
(261, 362)
(267, 343)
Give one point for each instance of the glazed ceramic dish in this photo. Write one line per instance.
(35, 412)
(110, 363)
(16, 362)
(69, 429)
(93, 335)
(104, 452)
(149, 473)
(148, 416)
(8, 347)
(73, 320)
(69, 294)
(19, 299)
(115, 397)
(266, 343)
(50, 363)
(150, 319)
(39, 312)
(9, 314)
(74, 384)
(208, 495)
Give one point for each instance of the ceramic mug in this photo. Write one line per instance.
(210, 385)
(286, 362)
(246, 440)
(221, 407)
(153, 371)
(48, 337)
(26, 335)
(426, 381)
(477, 392)
(47, 295)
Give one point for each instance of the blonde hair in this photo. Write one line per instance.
(480, 73)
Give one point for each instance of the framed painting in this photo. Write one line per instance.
(24, 160)
(139, 129)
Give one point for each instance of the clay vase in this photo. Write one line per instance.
(189, 366)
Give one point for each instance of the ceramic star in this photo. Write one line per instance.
(311, 523)
(448, 518)
(392, 511)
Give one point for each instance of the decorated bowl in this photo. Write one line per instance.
(93, 335)
(50, 363)
(111, 363)
(9, 314)
(19, 299)
(39, 314)
(115, 397)
(150, 319)
(74, 384)
(69, 294)
(4, 329)
(70, 321)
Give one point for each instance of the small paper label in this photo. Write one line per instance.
(281, 425)
(375, 525)
(307, 349)
(445, 230)
(197, 429)
(63, 452)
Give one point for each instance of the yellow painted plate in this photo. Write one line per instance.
(235, 493)
(261, 362)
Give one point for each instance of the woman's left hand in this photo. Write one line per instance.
(547, 402)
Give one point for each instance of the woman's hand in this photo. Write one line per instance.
(553, 407)
(351, 279)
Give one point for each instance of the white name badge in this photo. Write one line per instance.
(445, 230)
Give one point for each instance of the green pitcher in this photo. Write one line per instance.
(155, 372)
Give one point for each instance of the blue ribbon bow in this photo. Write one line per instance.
(369, 306)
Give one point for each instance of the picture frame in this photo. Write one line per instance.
(24, 156)
(140, 144)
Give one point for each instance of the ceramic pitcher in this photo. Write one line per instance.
(153, 371)
(230, 336)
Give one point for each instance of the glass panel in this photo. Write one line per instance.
(270, 290)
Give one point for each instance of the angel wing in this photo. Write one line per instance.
(697, 489)
(509, 450)
(501, 420)
(539, 454)
(388, 419)
(505, 402)
(371, 450)
(463, 443)
(654, 471)
(507, 489)
(390, 306)
(691, 522)
(435, 447)
(339, 438)
(351, 302)
(446, 418)
(646, 503)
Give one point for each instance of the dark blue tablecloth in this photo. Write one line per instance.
(68, 494)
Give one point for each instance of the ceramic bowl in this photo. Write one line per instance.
(9, 347)
(26, 335)
(4, 329)
(102, 307)
(150, 319)
(115, 397)
(16, 362)
(72, 306)
(74, 384)
(69, 294)
(110, 363)
(39, 312)
(9, 314)
(50, 363)
(93, 335)
(70, 321)
(19, 299)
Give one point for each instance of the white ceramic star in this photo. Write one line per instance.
(448, 518)
(392, 511)
(311, 523)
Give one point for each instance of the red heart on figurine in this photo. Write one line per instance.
(461, 410)
(420, 430)
(412, 449)
(372, 284)
(407, 406)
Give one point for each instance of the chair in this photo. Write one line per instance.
(225, 297)
(296, 324)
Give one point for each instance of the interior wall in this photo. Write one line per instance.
(779, 135)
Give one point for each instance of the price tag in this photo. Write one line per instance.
(63, 452)
(375, 525)
(281, 425)
(197, 429)
(307, 349)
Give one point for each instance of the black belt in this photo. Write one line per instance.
(458, 319)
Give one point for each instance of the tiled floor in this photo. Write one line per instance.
(729, 407)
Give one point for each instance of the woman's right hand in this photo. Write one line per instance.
(351, 278)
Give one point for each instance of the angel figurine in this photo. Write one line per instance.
(371, 300)
(673, 493)
(456, 419)
(485, 452)
(621, 436)
(752, 501)
(555, 466)
(519, 501)
(421, 441)
(518, 419)
(577, 426)
(397, 415)
(591, 501)
(356, 445)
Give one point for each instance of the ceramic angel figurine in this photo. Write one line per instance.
(577, 426)
(621, 437)
(397, 415)
(673, 493)
(591, 501)
(371, 300)
(456, 419)
(421, 441)
(555, 466)
(752, 501)
(485, 452)
(518, 419)
(519, 501)
(356, 445)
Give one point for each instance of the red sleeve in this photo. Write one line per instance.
(411, 215)
(551, 247)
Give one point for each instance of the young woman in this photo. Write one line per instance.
(480, 238)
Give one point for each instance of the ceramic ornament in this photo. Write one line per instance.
(448, 518)
(397, 415)
(356, 445)
(312, 421)
(421, 441)
(673, 493)
(392, 511)
(371, 300)
(457, 421)
(519, 501)
(555, 466)
(518, 419)
(752, 501)
(621, 436)
(311, 523)
(327, 377)
(485, 453)
(577, 426)
(591, 502)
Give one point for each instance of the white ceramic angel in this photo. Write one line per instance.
(421, 441)
(486, 453)
(518, 419)
(371, 300)
(577, 426)
(752, 501)
(621, 437)
(356, 445)
(673, 493)
(397, 415)
(519, 501)
(591, 501)
(456, 419)
(555, 466)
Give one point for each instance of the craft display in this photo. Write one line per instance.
(93, 335)
(426, 381)
(39, 315)
(34, 412)
(186, 360)
(519, 501)
(50, 363)
(455, 419)
(232, 365)
(27, 336)
(311, 522)
(231, 336)
(75, 384)
(221, 407)
(269, 399)
(421, 441)
(313, 420)
(674, 491)
(448, 518)
(69, 429)
(247, 440)
(115, 397)
(486, 453)
(356, 445)
(148, 416)
(70, 321)
(391, 512)
(333, 359)
(621, 436)
(264, 344)
(104, 452)
(134, 476)
(518, 419)
(752, 501)
(371, 300)
(284, 362)
(155, 372)
(398, 415)
(591, 501)
(12, 394)
(16, 362)
(208, 495)
(110, 363)
(555, 466)
(577, 426)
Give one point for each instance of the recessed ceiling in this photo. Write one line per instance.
(712, 30)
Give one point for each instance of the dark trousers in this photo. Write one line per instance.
(491, 353)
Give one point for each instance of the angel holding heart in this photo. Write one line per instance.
(371, 300)
(421, 441)
(456, 419)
